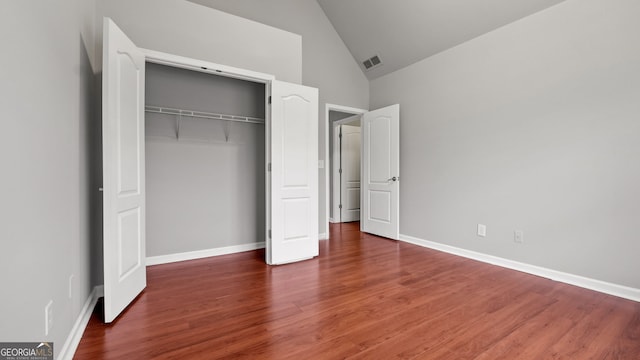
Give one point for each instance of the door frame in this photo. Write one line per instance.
(335, 163)
(328, 161)
(187, 63)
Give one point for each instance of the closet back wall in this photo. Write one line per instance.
(203, 191)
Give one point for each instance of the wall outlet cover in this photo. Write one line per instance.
(518, 236)
(482, 230)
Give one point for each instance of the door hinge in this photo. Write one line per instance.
(269, 99)
(269, 167)
(269, 233)
(340, 171)
(340, 206)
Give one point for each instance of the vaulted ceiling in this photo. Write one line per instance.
(402, 32)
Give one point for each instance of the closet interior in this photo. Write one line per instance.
(205, 161)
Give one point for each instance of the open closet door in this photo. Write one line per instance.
(123, 171)
(294, 173)
(381, 172)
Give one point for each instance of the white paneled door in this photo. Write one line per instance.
(350, 173)
(381, 172)
(294, 173)
(123, 171)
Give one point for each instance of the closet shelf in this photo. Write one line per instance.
(203, 115)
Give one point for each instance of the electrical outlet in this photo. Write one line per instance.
(71, 279)
(518, 237)
(482, 230)
(48, 317)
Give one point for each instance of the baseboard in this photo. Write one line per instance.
(323, 236)
(73, 340)
(583, 282)
(199, 254)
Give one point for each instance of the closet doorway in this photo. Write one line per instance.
(205, 164)
(289, 168)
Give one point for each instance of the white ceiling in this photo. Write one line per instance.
(403, 32)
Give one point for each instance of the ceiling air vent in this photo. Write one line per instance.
(372, 62)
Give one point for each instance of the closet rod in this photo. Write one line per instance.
(204, 115)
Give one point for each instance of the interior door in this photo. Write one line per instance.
(381, 172)
(294, 173)
(123, 79)
(350, 173)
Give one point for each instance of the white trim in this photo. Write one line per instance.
(323, 236)
(267, 172)
(328, 163)
(73, 340)
(580, 281)
(335, 163)
(172, 60)
(199, 254)
(348, 120)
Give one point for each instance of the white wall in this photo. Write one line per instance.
(535, 127)
(203, 191)
(48, 184)
(326, 61)
(183, 28)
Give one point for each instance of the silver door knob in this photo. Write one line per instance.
(394, 179)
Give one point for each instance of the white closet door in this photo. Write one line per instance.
(123, 171)
(294, 173)
(381, 172)
(350, 174)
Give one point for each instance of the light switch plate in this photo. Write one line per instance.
(48, 318)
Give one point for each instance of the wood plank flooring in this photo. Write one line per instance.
(364, 297)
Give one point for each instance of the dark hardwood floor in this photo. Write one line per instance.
(364, 297)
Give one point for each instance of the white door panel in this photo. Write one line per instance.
(381, 172)
(350, 175)
(379, 147)
(123, 171)
(294, 173)
(352, 199)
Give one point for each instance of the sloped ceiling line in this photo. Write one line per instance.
(403, 32)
